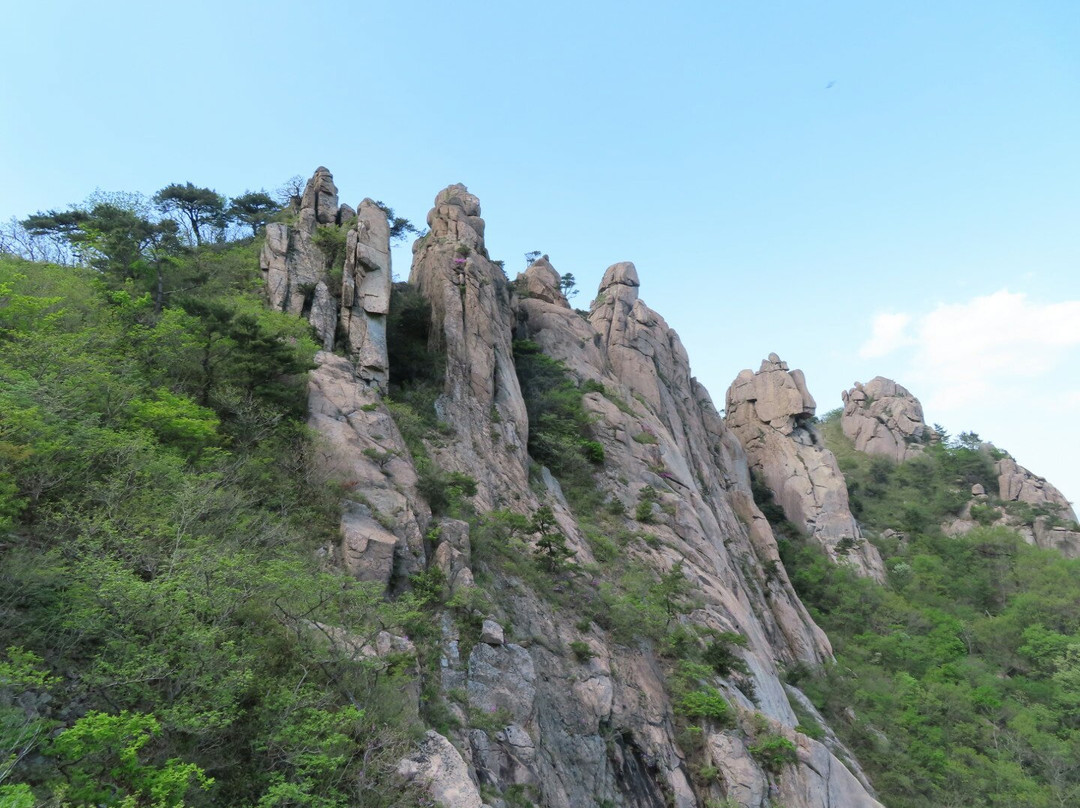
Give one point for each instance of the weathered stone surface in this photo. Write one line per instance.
(349, 420)
(453, 553)
(367, 547)
(583, 729)
(319, 204)
(770, 413)
(299, 281)
(345, 215)
(744, 781)
(491, 632)
(323, 316)
(883, 418)
(1017, 484)
(472, 321)
(502, 678)
(439, 766)
(542, 282)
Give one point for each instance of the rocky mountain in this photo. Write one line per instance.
(602, 723)
(549, 697)
(341, 541)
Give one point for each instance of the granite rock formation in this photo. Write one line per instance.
(577, 729)
(883, 418)
(771, 412)
(575, 734)
(1017, 484)
(347, 306)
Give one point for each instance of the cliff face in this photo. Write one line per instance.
(770, 411)
(582, 718)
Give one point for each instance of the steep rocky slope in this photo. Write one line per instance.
(575, 713)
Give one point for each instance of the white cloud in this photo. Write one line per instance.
(888, 332)
(967, 350)
(1001, 364)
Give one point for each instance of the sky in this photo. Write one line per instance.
(864, 188)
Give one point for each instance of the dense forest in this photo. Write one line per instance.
(170, 623)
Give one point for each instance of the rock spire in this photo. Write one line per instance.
(346, 304)
(771, 412)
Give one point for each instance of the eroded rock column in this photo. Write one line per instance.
(770, 412)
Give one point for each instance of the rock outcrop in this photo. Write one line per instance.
(770, 411)
(347, 305)
(1017, 484)
(595, 725)
(473, 325)
(384, 520)
(883, 418)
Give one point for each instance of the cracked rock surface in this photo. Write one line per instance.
(770, 412)
(883, 418)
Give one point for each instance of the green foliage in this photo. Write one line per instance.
(400, 227)
(912, 496)
(646, 437)
(199, 208)
(103, 759)
(984, 514)
(961, 672)
(161, 507)
(444, 491)
(706, 703)
(551, 548)
(330, 239)
(559, 426)
(773, 752)
(253, 208)
(177, 421)
(647, 497)
(581, 650)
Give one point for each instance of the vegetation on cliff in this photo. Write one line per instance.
(161, 604)
(957, 683)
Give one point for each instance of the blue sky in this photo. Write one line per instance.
(864, 188)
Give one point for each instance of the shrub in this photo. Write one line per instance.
(773, 752)
(593, 451)
(646, 437)
(581, 650)
(705, 703)
(984, 514)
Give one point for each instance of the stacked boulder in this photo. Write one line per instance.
(347, 305)
(771, 413)
(883, 418)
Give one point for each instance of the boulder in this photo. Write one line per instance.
(883, 418)
(770, 412)
(442, 770)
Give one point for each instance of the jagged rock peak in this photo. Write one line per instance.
(779, 397)
(542, 282)
(456, 216)
(883, 418)
(471, 320)
(319, 204)
(298, 278)
(770, 411)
